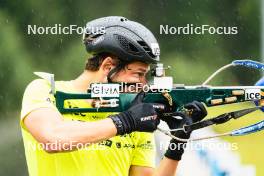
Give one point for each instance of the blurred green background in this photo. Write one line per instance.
(192, 57)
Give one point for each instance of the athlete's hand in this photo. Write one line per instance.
(196, 110)
(176, 148)
(139, 117)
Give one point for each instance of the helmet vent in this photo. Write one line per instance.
(91, 38)
(133, 48)
(126, 45)
(96, 35)
(146, 48)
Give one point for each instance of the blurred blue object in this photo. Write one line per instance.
(260, 83)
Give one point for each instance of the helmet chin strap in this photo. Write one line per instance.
(114, 71)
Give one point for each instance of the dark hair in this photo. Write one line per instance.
(94, 63)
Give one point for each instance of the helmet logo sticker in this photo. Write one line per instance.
(155, 49)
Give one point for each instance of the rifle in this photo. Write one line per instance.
(179, 95)
(172, 95)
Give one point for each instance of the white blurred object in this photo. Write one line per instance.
(213, 157)
(165, 82)
(49, 77)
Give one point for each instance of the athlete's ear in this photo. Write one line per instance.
(107, 65)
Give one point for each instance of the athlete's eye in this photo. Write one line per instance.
(139, 74)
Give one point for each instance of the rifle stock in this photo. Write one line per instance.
(210, 96)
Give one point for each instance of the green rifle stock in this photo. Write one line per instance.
(210, 96)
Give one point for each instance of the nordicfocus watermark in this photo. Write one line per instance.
(191, 29)
(67, 146)
(193, 146)
(58, 29)
(113, 89)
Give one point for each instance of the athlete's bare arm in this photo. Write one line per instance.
(167, 167)
(47, 126)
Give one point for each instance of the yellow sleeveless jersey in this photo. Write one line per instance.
(112, 157)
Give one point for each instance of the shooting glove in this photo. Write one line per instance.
(140, 116)
(176, 148)
(197, 110)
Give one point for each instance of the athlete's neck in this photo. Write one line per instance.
(82, 83)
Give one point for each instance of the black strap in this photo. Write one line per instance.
(219, 119)
(112, 72)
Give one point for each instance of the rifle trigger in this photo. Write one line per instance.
(168, 97)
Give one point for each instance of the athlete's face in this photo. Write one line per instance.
(134, 72)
